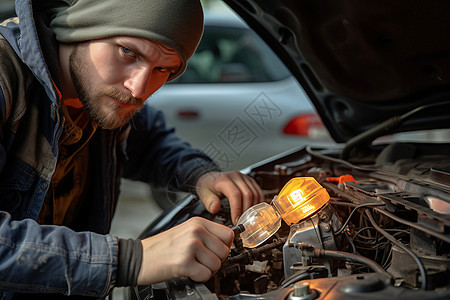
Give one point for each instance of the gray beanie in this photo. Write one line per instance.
(177, 24)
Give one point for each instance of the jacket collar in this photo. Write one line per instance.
(28, 41)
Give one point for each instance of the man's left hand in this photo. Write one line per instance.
(241, 190)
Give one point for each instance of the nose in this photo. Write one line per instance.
(138, 82)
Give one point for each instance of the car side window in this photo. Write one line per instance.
(232, 55)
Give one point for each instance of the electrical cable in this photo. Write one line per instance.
(445, 238)
(350, 241)
(339, 231)
(378, 241)
(358, 234)
(403, 247)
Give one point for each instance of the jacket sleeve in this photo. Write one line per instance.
(36, 258)
(157, 155)
(2, 120)
(54, 259)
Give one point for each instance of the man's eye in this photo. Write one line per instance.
(126, 50)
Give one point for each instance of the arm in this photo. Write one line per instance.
(55, 259)
(153, 146)
(36, 258)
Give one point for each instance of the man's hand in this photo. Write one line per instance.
(241, 190)
(194, 249)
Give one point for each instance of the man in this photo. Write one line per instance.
(74, 76)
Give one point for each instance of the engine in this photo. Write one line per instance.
(383, 233)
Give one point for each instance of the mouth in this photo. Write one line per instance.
(122, 99)
(126, 105)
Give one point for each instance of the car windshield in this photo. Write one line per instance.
(232, 55)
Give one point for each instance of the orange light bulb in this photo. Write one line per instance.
(299, 198)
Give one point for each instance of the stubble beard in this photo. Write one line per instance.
(112, 117)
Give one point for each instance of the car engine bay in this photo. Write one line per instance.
(383, 233)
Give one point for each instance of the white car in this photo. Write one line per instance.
(237, 101)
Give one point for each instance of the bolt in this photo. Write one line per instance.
(272, 286)
(326, 227)
(301, 290)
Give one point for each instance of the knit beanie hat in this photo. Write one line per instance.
(177, 24)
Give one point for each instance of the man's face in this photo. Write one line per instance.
(114, 76)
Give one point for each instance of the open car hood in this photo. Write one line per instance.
(363, 62)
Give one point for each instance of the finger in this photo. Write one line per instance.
(236, 207)
(199, 272)
(257, 191)
(225, 186)
(216, 245)
(191, 267)
(209, 260)
(211, 201)
(212, 249)
(200, 262)
(248, 187)
(239, 193)
(214, 232)
(196, 260)
(250, 195)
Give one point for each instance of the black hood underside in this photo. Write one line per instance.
(362, 62)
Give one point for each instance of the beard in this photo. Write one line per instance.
(109, 115)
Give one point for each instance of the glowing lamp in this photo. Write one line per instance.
(298, 199)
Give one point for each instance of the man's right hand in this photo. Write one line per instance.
(193, 249)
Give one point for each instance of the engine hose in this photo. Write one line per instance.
(249, 255)
(345, 256)
(349, 256)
